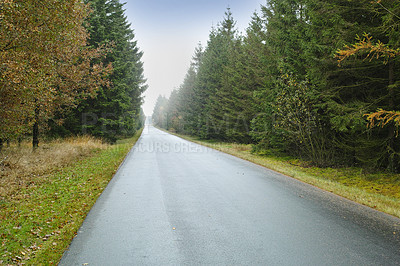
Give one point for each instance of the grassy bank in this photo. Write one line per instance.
(377, 190)
(46, 195)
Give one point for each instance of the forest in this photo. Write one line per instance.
(71, 91)
(318, 80)
(68, 68)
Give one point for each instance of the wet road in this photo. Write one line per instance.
(173, 202)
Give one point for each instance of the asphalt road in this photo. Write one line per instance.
(173, 202)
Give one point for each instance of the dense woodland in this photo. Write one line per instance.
(68, 68)
(314, 79)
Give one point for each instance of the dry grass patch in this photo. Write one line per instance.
(20, 166)
(48, 193)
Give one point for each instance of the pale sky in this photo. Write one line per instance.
(168, 32)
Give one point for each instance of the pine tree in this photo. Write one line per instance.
(208, 87)
(115, 111)
(245, 75)
(160, 115)
(282, 33)
(283, 77)
(373, 86)
(188, 103)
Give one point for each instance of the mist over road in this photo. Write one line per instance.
(173, 202)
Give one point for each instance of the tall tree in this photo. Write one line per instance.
(290, 45)
(188, 103)
(160, 114)
(44, 62)
(381, 84)
(263, 70)
(284, 77)
(115, 111)
(302, 36)
(244, 76)
(209, 81)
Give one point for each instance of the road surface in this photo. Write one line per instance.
(173, 202)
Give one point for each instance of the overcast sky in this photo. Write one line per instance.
(168, 31)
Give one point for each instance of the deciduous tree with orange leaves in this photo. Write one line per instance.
(45, 62)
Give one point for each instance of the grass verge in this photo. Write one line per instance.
(378, 190)
(40, 216)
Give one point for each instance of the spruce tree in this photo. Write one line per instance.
(160, 114)
(283, 77)
(115, 111)
(368, 86)
(187, 104)
(208, 87)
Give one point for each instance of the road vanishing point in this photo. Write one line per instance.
(173, 202)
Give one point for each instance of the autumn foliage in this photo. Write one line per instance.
(373, 50)
(45, 62)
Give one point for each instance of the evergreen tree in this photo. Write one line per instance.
(291, 50)
(372, 87)
(160, 115)
(302, 37)
(282, 77)
(174, 117)
(263, 71)
(115, 111)
(245, 75)
(188, 103)
(208, 88)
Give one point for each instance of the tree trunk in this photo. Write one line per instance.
(391, 82)
(35, 131)
(391, 133)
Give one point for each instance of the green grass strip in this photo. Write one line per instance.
(39, 222)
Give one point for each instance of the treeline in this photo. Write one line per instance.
(68, 68)
(314, 79)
